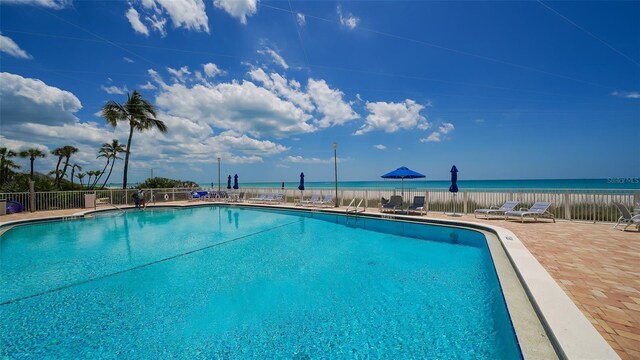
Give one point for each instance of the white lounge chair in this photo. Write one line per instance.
(326, 200)
(260, 197)
(627, 217)
(314, 199)
(508, 206)
(274, 198)
(537, 210)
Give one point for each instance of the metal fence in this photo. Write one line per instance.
(582, 205)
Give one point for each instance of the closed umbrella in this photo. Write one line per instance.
(235, 182)
(229, 182)
(402, 173)
(301, 186)
(454, 186)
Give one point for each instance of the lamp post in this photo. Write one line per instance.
(218, 174)
(335, 170)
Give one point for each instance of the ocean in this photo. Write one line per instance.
(542, 184)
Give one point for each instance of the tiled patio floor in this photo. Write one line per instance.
(598, 268)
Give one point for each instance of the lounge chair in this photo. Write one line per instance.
(417, 206)
(268, 197)
(395, 203)
(627, 217)
(260, 197)
(326, 200)
(538, 210)
(274, 198)
(508, 206)
(199, 195)
(314, 199)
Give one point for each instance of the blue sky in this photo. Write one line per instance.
(503, 90)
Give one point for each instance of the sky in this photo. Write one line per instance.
(501, 89)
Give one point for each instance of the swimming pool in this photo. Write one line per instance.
(237, 282)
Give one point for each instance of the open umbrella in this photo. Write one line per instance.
(301, 186)
(235, 182)
(402, 173)
(229, 182)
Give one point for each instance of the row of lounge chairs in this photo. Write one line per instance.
(537, 210)
(215, 196)
(316, 200)
(268, 198)
(394, 204)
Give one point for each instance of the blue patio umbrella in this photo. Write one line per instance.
(301, 186)
(235, 182)
(454, 180)
(402, 173)
(229, 182)
(454, 186)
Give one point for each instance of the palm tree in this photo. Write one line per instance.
(32, 154)
(98, 174)
(90, 173)
(73, 169)
(110, 152)
(67, 151)
(80, 176)
(140, 114)
(6, 164)
(59, 152)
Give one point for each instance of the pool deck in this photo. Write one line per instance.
(598, 268)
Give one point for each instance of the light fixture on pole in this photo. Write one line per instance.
(335, 170)
(218, 174)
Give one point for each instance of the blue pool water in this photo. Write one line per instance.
(230, 282)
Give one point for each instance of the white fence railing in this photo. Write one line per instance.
(583, 205)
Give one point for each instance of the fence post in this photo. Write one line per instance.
(595, 207)
(426, 203)
(32, 196)
(366, 199)
(567, 206)
(465, 198)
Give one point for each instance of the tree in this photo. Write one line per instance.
(80, 176)
(67, 151)
(59, 152)
(32, 154)
(6, 164)
(73, 169)
(110, 152)
(90, 173)
(140, 114)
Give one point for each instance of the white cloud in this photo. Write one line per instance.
(302, 160)
(478, 120)
(349, 20)
(147, 86)
(115, 90)
(274, 56)
(127, 60)
(243, 107)
(51, 4)
(186, 14)
(379, 147)
(212, 69)
(238, 8)
(446, 128)
(179, 75)
(300, 18)
(31, 100)
(437, 136)
(279, 85)
(391, 117)
(8, 46)
(329, 102)
(137, 25)
(627, 94)
(434, 137)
